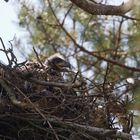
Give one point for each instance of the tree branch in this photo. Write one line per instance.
(102, 9)
(92, 53)
(93, 131)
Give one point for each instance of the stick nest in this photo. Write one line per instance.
(34, 107)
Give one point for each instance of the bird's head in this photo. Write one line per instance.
(57, 62)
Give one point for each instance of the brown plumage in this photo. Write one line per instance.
(53, 66)
(51, 70)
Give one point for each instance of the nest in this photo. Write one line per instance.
(49, 110)
(33, 107)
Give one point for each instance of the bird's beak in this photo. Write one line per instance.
(63, 65)
(67, 64)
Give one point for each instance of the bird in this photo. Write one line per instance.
(56, 64)
(50, 70)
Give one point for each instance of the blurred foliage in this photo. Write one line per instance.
(115, 38)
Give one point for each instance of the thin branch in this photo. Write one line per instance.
(92, 53)
(94, 131)
(61, 85)
(131, 18)
(38, 57)
(6, 52)
(18, 103)
(67, 14)
(11, 94)
(75, 77)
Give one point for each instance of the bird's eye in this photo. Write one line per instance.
(58, 60)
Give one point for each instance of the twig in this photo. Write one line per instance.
(61, 85)
(131, 18)
(94, 131)
(6, 52)
(38, 57)
(11, 94)
(13, 99)
(75, 77)
(13, 57)
(67, 14)
(92, 53)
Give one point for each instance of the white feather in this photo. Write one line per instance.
(53, 56)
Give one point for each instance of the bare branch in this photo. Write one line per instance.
(11, 94)
(93, 53)
(102, 9)
(92, 130)
(61, 85)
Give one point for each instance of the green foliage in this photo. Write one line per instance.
(106, 36)
(113, 38)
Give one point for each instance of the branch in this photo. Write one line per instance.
(12, 97)
(89, 52)
(11, 94)
(61, 85)
(6, 52)
(93, 131)
(102, 9)
(109, 60)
